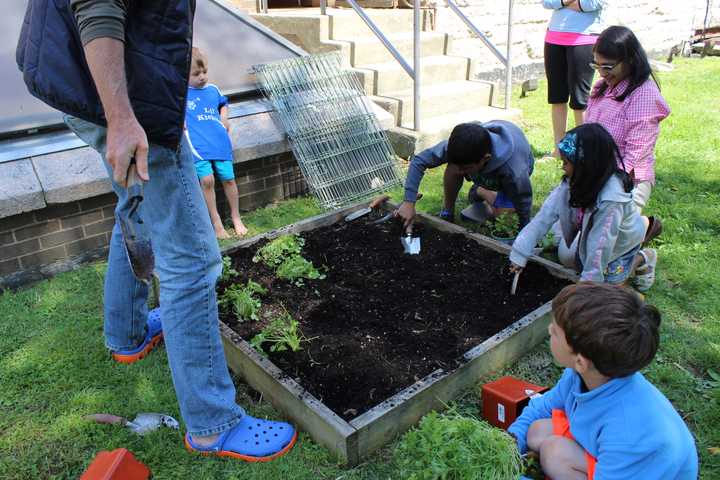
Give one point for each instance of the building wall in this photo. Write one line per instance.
(659, 24)
(41, 243)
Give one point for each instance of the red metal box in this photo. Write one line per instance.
(504, 399)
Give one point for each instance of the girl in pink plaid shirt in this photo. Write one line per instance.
(627, 102)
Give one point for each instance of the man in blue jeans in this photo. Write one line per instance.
(120, 70)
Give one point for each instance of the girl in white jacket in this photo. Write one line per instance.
(594, 205)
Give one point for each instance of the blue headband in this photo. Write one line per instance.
(568, 146)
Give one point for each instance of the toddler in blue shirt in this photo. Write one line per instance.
(207, 128)
(603, 420)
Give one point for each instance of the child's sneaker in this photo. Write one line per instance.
(645, 273)
(153, 335)
(252, 440)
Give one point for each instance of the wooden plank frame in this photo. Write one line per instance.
(354, 440)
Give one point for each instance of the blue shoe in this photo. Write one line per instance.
(153, 335)
(252, 440)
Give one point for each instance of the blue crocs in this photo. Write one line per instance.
(153, 335)
(252, 440)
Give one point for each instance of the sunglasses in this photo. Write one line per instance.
(606, 67)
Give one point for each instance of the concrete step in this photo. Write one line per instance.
(371, 50)
(345, 23)
(441, 99)
(407, 142)
(390, 76)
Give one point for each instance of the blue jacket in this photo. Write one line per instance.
(627, 425)
(158, 38)
(508, 170)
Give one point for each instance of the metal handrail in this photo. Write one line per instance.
(506, 60)
(414, 71)
(454, 7)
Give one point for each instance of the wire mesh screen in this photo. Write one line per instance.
(342, 151)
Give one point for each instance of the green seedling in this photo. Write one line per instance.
(277, 251)
(296, 269)
(228, 272)
(460, 447)
(506, 225)
(242, 300)
(282, 333)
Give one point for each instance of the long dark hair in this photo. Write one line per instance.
(594, 162)
(620, 44)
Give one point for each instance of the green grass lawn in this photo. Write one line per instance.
(54, 368)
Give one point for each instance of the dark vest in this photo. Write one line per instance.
(158, 40)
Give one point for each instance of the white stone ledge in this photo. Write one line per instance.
(33, 183)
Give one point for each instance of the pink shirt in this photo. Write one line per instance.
(633, 123)
(569, 38)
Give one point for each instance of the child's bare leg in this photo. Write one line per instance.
(490, 196)
(563, 459)
(539, 431)
(208, 188)
(559, 122)
(579, 117)
(231, 192)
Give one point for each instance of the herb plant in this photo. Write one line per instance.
(457, 447)
(228, 272)
(506, 225)
(242, 300)
(278, 250)
(296, 268)
(282, 333)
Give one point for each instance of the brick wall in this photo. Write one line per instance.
(31, 243)
(39, 244)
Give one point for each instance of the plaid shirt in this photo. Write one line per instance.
(634, 123)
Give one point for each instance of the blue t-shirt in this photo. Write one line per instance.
(206, 134)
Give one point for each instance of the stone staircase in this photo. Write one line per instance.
(448, 95)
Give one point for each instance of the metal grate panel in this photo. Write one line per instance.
(342, 151)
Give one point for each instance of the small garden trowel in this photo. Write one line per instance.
(411, 245)
(137, 241)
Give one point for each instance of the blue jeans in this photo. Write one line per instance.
(187, 260)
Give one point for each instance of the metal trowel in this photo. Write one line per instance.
(411, 245)
(134, 231)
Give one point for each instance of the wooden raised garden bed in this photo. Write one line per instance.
(389, 337)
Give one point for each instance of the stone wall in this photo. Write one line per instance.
(659, 24)
(41, 243)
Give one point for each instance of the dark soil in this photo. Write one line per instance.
(382, 320)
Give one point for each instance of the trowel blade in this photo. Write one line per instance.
(147, 422)
(357, 214)
(411, 245)
(137, 243)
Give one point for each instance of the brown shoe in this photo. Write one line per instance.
(654, 229)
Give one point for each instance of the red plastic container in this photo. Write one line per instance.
(120, 464)
(504, 399)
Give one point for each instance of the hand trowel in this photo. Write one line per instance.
(134, 231)
(411, 245)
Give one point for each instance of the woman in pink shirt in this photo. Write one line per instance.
(627, 102)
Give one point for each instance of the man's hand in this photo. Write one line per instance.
(127, 140)
(407, 213)
(514, 268)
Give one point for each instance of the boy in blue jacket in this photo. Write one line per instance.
(494, 155)
(603, 420)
